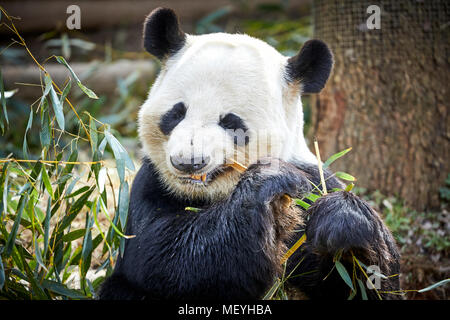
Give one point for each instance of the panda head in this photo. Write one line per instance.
(220, 97)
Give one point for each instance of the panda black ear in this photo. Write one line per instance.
(311, 67)
(162, 34)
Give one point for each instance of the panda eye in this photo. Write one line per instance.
(172, 118)
(232, 121)
(237, 128)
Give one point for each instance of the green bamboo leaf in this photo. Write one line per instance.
(91, 94)
(76, 193)
(25, 144)
(47, 86)
(71, 186)
(61, 289)
(344, 274)
(118, 150)
(45, 132)
(13, 234)
(344, 176)
(363, 289)
(192, 209)
(93, 134)
(2, 273)
(65, 92)
(4, 189)
(269, 294)
(349, 187)
(47, 183)
(105, 211)
(120, 167)
(73, 235)
(87, 248)
(123, 203)
(302, 203)
(48, 216)
(37, 253)
(86, 90)
(3, 100)
(75, 260)
(433, 286)
(312, 197)
(37, 289)
(334, 157)
(57, 108)
(75, 209)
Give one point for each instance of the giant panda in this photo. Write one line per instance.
(211, 86)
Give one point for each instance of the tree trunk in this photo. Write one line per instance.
(388, 96)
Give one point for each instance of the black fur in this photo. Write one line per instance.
(223, 251)
(172, 118)
(233, 122)
(311, 66)
(162, 34)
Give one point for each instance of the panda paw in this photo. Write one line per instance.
(273, 178)
(342, 221)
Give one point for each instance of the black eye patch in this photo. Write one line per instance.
(236, 126)
(172, 118)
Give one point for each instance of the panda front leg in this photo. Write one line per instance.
(259, 219)
(342, 222)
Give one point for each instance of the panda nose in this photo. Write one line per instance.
(189, 166)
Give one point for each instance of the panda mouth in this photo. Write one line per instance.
(207, 177)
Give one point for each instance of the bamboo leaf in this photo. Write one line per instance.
(76, 193)
(118, 150)
(3, 100)
(123, 203)
(13, 234)
(93, 134)
(105, 211)
(433, 286)
(73, 235)
(312, 197)
(87, 248)
(48, 216)
(75, 209)
(363, 289)
(344, 176)
(91, 94)
(45, 132)
(349, 187)
(334, 157)
(61, 289)
(302, 203)
(101, 180)
(86, 90)
(344, 274)
(57, 108)
(29, 124)
(2, 274)
(47, 184)
(65, 92)
(37, 253)
(4, 189)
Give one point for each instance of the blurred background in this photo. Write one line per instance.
(388, 96)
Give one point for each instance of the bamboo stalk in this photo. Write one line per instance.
(319, 164)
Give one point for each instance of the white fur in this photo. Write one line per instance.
(213, 75)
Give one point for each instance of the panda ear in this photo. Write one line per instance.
(311, 67)
(162, 34)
